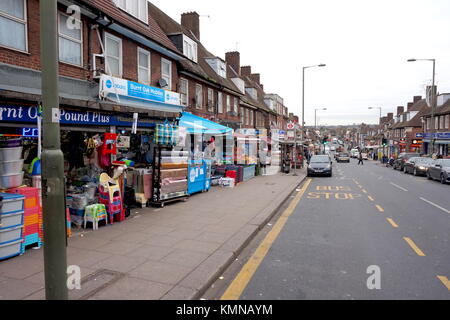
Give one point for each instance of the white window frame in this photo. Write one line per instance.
(18, 20)
(198, 96)
(236, 106)
(447, 121)
(125, 6)
(163, 60)
(71, 39)
(228, 103)
(189, 44)
(119, 40)
(210, 98)
(149, 68)
(220, 102)
(183, 80)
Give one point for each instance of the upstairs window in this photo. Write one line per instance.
(210, 99)
(190, 48)
(70, 42)
(136, 8)
(113, 54)
(198, 96)
(236, 104)
(218, 66)
(184, 92)
(228, 104)
(220, 102)
(447, 121)
(13, 24)
(143, 66)
(166, 72)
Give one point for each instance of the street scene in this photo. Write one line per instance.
(185, 151)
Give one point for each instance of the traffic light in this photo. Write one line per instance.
(385, 143)
(325, 140)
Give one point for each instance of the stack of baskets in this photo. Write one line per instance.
(32, 227)
(11, 163)
(11, 225)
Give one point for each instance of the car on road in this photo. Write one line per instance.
(320, 165)
(343, 157)
(439, 170)
(364, 156)
(402, 158)
(417, 166)
(354, 153)
(336, 155)
(332, 148)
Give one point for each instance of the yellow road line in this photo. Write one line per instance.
(414, 247)
(445, 281)
(241, 281)
(371, 199)
(379, 208)
(392, 222)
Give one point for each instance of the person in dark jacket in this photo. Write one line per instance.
(360, 158)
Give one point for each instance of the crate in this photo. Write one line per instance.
(10, 234)
(11, 219)
(11, 203)
(10, 249)
(31, 220)
(31, 196)
(31, 229)
(32, 239)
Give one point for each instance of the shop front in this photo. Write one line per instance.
(437, 143)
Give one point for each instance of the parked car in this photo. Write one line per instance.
(417, 166)
(402, 158)
(354, 153)
(364, 156)
(439, 170)
(336, 155)
(343, 157)
(320, 165)
(332, 148)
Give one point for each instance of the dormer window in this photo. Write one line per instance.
(218, 66)
(190, 48)
(136, 8)
(252, 92)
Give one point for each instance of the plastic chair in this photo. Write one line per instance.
(110, 196)
(95, 213)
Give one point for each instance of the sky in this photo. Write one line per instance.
(365, 45)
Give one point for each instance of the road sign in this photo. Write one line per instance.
(290, 126)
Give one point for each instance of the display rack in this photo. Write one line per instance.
(158, 198)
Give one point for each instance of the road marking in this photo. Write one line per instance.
(445, 281)
(414, 247)
(364, 191)
(434, 204)
(397, 186)
(241, 281)
(392, 222)
(379, 208)
(371, 199)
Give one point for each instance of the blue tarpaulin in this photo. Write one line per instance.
(199, 125)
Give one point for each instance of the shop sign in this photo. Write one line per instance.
(419, 135)
(437, 135)
(122, 87)
(10, 113)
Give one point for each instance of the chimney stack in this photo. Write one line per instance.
(262, 87)
(410, 104)
(191, 21)
(246, 71)
(233, 59)
(417, 98)
(400, 110)
(390, 116)
(256, 77)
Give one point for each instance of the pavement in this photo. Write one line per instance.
(170, 253)
(364, 221)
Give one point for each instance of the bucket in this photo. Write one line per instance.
(11, 167)
(8, 181)
(10, 154)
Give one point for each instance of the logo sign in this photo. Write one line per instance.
(419, 135)
(193, 175)
(122, 87)
(290, 126)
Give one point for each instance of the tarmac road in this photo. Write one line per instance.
(345, 229)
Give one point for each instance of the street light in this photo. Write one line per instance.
(303, 113)
(371, 108)
(315, 117)
(433, 96)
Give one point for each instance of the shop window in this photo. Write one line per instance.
(198, 96)
(113, 53)
(136, 8)
(13, 24)
(184, 92)
(144, 66)
(220, 102)
(70, 41)
(166, 72)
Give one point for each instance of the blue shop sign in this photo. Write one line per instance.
(9, 113)
(437, 135)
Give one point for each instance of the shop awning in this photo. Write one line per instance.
(199, 125)
(442, 142)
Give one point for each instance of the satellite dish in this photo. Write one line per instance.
(162, 83)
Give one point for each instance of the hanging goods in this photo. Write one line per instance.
(166, 134)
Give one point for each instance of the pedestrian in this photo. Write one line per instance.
(360, 158)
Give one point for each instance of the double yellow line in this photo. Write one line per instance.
(239, 284)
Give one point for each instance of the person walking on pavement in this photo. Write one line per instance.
(360, 158)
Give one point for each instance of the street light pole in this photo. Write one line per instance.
(371, 108)
(53, 206)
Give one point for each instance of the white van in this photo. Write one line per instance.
(354, 153)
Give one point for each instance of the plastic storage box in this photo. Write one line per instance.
(10, 234)
(10, 249)
(13, 219)
(11, 203)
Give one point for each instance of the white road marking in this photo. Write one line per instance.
(397, 186)
(435, 205)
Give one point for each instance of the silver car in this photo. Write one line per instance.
(439, 170)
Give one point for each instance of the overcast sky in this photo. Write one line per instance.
(365, 45)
